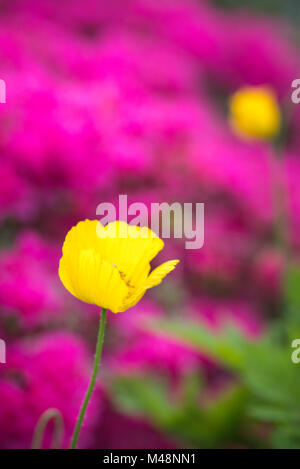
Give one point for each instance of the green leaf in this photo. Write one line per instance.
(227, 347)
(142, 396)
(292, 287)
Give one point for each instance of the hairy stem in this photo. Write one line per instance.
(92, 381)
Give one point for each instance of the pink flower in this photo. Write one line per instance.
(143, 349)
(120, 431)
(29, 286)
(241, 171)
(222, 262)
(49, 372)
(217, 313)
(292, 202)
(13, 193)
(253, 61)
(268, 268)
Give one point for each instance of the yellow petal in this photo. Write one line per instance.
(92, 279)
(154, 279)
(255, 112)
(82, 236)
(160, 272)
(109, 266)
(132, 300)
(130, 248)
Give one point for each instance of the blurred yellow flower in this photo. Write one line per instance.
(255, 113)
(110, 266)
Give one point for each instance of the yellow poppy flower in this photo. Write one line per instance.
(110, 266)
(255, 113)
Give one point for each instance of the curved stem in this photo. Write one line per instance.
(40, 428)
(92, 381)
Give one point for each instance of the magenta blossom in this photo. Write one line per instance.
(49, 372)
(29, 286)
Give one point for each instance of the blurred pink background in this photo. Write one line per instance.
(130, 97)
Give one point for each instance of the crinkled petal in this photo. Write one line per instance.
(93, 280)
(154, 279)
(130, 248)
(82, 236)
(160, 272)
(109, 266)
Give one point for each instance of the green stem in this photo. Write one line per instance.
(92, 381)
(49, 414)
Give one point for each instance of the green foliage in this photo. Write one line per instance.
(183, 417)
(292, 288)
(228, 347)
(287, 9)
(265, 389)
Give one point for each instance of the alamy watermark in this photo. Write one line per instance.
(295, 97)
(2, 351)
(2, 91)
(165, 220)
(295, 357)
